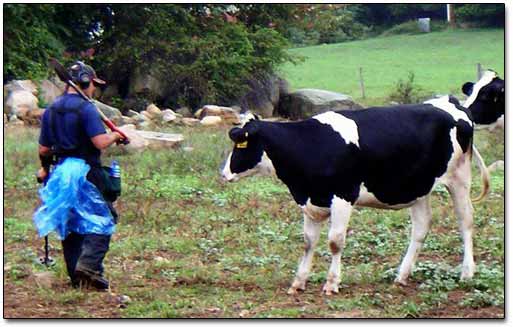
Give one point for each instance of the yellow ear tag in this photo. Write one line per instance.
(242, 145)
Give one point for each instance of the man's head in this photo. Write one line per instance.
(486, 98)
(85, 77)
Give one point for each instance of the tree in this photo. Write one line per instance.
(481, 14)
(29, 40)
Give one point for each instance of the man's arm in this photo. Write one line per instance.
(103, 141)
(95, 130)
(46, 157)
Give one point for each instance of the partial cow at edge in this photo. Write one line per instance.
(486, 99)
(388, 157)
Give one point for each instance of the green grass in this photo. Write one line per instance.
(189, 245)
(441, 62)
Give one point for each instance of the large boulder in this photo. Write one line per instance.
(140, 140)
(26, 85)
(190, 121)
(154, 111)
(20, 102)
(112, 113)
(305, 103)
(49, 91)
(168, 116)
(146, 82)
(211, 121)
(33, 118)
(227, 114)
(264, 95)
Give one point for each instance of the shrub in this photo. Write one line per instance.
(406, 91)
(412, 27)
(481, 14)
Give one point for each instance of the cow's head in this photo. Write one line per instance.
(486, 98)
(248, 156)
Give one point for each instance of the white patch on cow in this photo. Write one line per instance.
(486, 79)
(444, 104)
(499, 124)
(314, 212)
(227, 173)
(344, 126)
(368, 199)
(457, 152)
(245, 118)
(265, 167)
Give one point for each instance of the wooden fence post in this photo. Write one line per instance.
(362, 87)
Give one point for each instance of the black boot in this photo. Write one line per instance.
(87, 278)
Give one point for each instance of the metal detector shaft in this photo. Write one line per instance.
(64, 76)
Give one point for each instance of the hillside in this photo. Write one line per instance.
(441, 62)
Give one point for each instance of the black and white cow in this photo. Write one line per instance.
(486, 99)
(390, 157)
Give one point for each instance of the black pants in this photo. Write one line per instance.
(88, 251)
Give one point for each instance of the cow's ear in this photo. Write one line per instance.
(467, 88)
(251, 128)
(238, 135)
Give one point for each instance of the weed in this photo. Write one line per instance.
(479, 299)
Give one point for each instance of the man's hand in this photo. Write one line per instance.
(41, 175)
(119, 138)
(103, 141)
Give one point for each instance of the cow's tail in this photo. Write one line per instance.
(485, 175)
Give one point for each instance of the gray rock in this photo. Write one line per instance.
(132, 113)
(168, 115)
(190, 121)
(112, 113)
(19, 102)
(138, 119)
(25, 85)
(149, 82)
(154, 111)
(211, 121)
(184, 112)
(227, 114)
(305, 103)
(49, 91)
(264, 95)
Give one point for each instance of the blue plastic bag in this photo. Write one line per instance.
(72, 203)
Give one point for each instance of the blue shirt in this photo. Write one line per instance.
(73, 129)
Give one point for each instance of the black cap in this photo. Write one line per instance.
(78, 69)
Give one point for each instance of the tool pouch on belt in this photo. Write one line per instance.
(112, 185)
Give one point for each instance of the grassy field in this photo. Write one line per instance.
(441, 62)
(188, 245)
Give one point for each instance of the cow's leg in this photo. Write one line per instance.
(420, 222)
(311, 232)
(459, 188)
(340, 214)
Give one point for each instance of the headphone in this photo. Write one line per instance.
(80, 75)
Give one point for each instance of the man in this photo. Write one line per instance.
(72, 128)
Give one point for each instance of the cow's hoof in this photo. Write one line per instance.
(466, 273)
(292, 291)
(401, 281)
(330, 289)
(297, 286)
